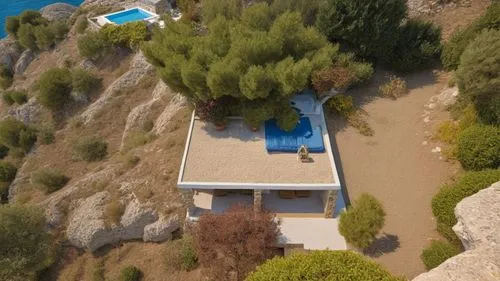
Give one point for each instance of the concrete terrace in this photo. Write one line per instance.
(238, 155)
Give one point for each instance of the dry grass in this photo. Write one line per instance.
(357, 119)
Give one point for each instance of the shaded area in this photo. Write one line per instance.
(387, 243)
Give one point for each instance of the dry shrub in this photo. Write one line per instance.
(335, 77)
(358, 120)
(395, 88)
(136, 139)
(114, 211)
(180, 254)
(235, 242)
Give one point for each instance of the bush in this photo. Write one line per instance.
(46, 135)
(342, 105)
(83, 81)
(27, 138)
(98, 271)
(395, 88)
(44, 37)
(437, 253)
(418, 46)
(128, 35)
(26, 37)
(229, 9)
(93, 45)
(130, 273)
(26, 246)
(81, 25)
(59, 29)
(51, 179)
(7, 98)
(479, 147)
(4, 150)
(7, 171)
(6, 77)
(453, 49)
(90, 149)
(321, 265)
(12, 25)
(362, 221)
(4, 192)
(10, 130)
(32, 17)
(54, 88)
(479, 75)
(180, 254)
(131, 160)
(19, 97)
(444, 202)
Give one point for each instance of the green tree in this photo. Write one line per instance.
(479, 147)
(247, 61)
(479, 75)
(54, 87)
(12, 25)
(93, 45)
(26, 246)
(26, 36)
(10, 130)
(44, 37)
(307, 8)
(322, 265)
(6, 78)
(370, 27)
(32, 17)
(361, 223)
(230, 9)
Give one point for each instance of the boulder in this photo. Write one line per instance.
(177, 103)
(9, 53)
(24, 61)
(479, 218)
(57, 11)
(89, 229)
(28, 113)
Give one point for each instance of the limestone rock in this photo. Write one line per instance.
(177, 103)
(479, 218)
(161, 230)
(23, 62)
(28, 113)
(9, 53)
(57, 11)
(87, 64)
(139, 68)
(480, 264)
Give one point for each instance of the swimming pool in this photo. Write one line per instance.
(130, 15)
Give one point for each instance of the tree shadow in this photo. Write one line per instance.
(386, 243)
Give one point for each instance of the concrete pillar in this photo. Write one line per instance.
(330, 204)
(257, 200)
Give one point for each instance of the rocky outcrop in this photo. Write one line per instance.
(57, 11)
(9, 53)
(479, 229)
(139, 68)
(177, 103)
(480, 264)
(28, 113)
(23, 62)
(479, 218)
(89, 229)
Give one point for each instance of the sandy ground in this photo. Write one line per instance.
(397, 167)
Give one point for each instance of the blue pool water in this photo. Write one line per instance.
(15, 7)
(128, 16)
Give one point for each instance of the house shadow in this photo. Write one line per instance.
(384, 244)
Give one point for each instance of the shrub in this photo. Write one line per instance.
(358, 120)
(46, 135)
(418, 46)
(44, 37)
(358, 24)
(128, 35)
(93, 45)
(6, 77)
(114, 212)
(479, 75)
(7, 171)
(361, 223)
(321, 265)
(130, 273)
(12, 25)
(81, 25)
(341, 104)
(4, 150)
(26, 36)
(27, 138)
(7, 98)
(437, 253)
(26, 246)
(10, 129)
(395, 88)
(229, 9)
(131, 160)
(4, 192)
(479, 147)
(32, 17)
(98, 271)
(51, 179)
(453, 49)
(180, 254)
(90, 149)
(444, 202)
(83, 81)
(19, 97)
(54, 88)
(59, 29)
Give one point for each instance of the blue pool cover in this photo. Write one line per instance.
(129, 16)
(278, 140)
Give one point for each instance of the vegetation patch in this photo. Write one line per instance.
(114, 211)
(15, 135)
(395, 88)
(50, 179)
(6, 77)
(479, 147)
(438, 252)
(90, 149)
(130, 273)
(180, 254)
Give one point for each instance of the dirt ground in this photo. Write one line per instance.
(397, 166)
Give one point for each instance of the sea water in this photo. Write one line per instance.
(15, 7)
